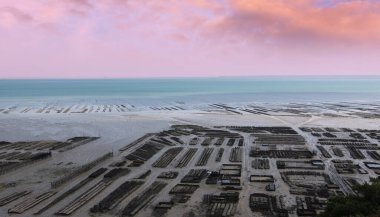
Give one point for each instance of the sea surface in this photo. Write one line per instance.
(196, 90)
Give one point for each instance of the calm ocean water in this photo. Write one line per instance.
(239, 89)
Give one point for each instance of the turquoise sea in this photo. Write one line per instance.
(228, 89)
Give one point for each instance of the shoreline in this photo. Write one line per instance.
(363, 109)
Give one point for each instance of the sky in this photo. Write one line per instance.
(188, 38)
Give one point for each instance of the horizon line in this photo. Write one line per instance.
(193, 77)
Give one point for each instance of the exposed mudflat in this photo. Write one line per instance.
(118, 129)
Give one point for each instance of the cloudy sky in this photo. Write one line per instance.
(156, 38)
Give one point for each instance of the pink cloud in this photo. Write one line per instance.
(123, 38)
(10, 16)
(302, 21)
